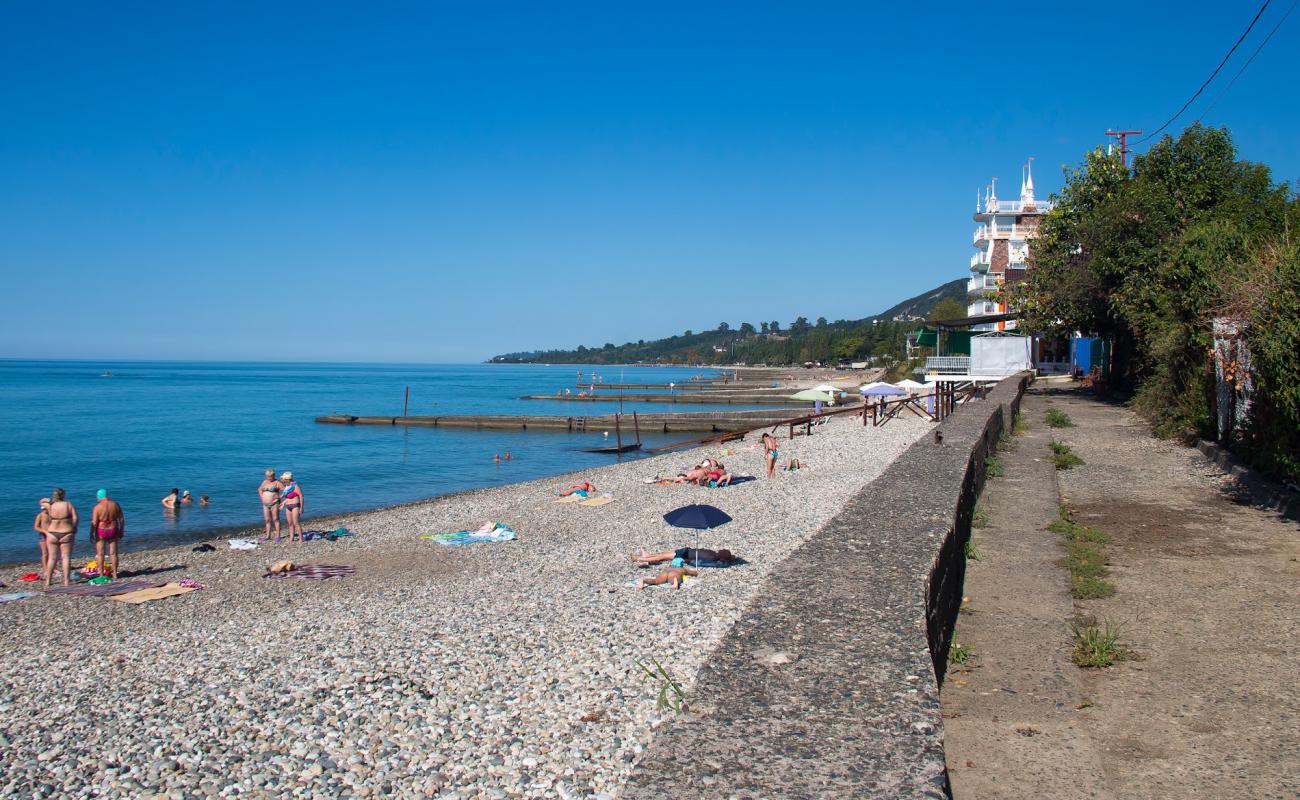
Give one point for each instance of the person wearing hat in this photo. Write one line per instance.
(186, 498)
(107, 524)
(292, 502)
(42, 519)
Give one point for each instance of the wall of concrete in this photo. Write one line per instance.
(828, 685)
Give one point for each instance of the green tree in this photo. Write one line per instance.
(946, 309)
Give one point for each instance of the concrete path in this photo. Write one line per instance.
(1011, 724)
(1207, 592)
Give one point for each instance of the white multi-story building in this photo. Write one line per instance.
(1002, 240)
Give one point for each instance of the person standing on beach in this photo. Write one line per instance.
(770, 452)
(269, 492)
(107, 524)
(42, 520)
(293, 505)
(60, 532)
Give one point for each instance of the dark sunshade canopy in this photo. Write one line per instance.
(696, 516)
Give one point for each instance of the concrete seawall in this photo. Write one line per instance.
(828, 684)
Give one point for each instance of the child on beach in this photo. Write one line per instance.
(673, 574)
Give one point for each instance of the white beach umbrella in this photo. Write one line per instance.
(908, 383)
(826, 387)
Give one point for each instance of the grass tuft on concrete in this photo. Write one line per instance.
(993, 467)
(980, 518)
(1063, 456)
(1019, 425)
(1084, 557)
(1057, 418)
(959, 653)
(1096, 645)
(972, 552)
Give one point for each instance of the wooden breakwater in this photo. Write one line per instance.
(649, 423)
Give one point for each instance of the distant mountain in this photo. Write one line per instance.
(881, 335)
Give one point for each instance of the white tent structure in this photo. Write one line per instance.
(1000, 354)
(912, 386)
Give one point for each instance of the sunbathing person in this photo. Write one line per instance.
(584, 489)
(692, 475)
(695, 556)
(673, 575)
(718, 476)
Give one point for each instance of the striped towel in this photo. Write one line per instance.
(102, 590)
(318, 572)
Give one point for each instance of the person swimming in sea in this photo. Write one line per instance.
(173, 499)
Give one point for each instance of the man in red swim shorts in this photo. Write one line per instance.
(107, 524)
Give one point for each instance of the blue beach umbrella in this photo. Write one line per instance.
(699, 517)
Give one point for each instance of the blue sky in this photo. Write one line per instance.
(444, 182)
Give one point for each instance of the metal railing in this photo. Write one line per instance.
(948, 365)
(1016, 207)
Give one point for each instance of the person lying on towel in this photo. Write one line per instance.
(695, 556)
(584, 489)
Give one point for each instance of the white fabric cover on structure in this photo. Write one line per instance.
(1000, 355)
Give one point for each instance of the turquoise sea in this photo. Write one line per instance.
(212, 428)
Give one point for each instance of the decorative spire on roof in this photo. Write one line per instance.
(1027, 185)
(991, 203)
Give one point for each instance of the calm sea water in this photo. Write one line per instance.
(212, 428)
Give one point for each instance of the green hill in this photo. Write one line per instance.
(881, 335)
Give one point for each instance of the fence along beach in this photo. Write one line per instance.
(507, 667)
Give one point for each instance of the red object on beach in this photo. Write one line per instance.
(31, 576)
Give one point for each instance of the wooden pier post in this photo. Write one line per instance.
(406, 405)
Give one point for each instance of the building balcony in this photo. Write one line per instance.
(980, 307)
(982, 284)
(991, 232)
(980, 261)
(1015, 207)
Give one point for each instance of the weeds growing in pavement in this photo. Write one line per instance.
(1096, 645)
(671, 694)
(1084, 558)
(959, 654)
(980, 517)
(972, 552)
(1018, 424)
(993, 467)
(1006, 443)
(1057, 418)
(1063, 457)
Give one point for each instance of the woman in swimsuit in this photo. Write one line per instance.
(770, 452)
(173, 499)
(269, 492)
(293, 505)
(584, 489)
(60, 533)
(42, 519)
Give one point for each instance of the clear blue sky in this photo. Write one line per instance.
(444, 182)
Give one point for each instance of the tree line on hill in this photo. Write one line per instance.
(880, 338)
(1148, 258)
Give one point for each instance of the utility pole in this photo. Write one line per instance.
(1123, 142)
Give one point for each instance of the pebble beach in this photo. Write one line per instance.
(490, 670)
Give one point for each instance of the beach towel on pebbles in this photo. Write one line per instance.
(102, 589)
(598, 501)
(147, 595)
(12, 596)
(500, 533)
(242, 544)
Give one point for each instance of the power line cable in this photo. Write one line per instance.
(1240, 39)
(1219, 97)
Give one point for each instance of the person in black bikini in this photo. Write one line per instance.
(60, 533)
